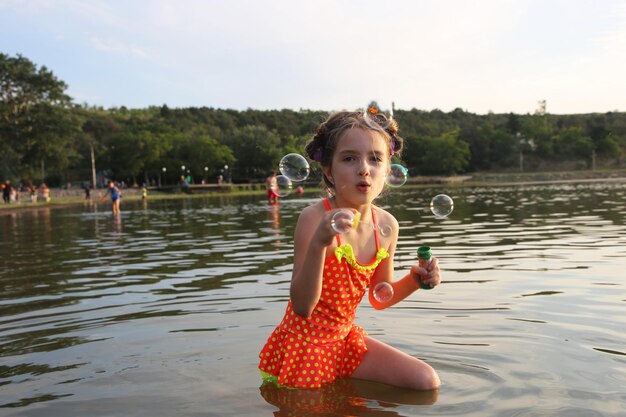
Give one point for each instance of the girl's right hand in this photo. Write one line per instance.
(331, 224)
(430, 275)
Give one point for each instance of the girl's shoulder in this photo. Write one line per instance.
(384, 217)
(314, 210)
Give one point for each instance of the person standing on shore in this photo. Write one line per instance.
(32, 191)
(44, 192)
(87, 189)
(6, 191)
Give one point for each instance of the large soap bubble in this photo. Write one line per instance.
(383, 292)
(284, 186)
(295, 167)
(441, 205)
(342, 221)
(398, 176)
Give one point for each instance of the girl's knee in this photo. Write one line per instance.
(424, 379)
(430, 380)
(415, 374)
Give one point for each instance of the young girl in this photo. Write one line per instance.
(317, 341)
(116, 196)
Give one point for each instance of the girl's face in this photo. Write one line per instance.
(359, 166)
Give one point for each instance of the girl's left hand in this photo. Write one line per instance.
(431, 275)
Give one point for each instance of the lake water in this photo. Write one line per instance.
(163, 312)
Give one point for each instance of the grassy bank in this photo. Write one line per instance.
(59, 198)
(76, 196)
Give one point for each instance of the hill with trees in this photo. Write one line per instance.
(45, 136)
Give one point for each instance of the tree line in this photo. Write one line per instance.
(45, 136)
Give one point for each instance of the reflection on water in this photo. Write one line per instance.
(344, 397)
(164, 309)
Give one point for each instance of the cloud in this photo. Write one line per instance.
(117, 47)
(501, 55)
(613, 40)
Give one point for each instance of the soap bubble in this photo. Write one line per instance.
(342, 221)
(375, 118)
(397, 176)
(385, 229)
(284, 186)
(295, 167)
(383, 292)
(441, 205)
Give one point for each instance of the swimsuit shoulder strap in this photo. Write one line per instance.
(327, 205)
(375, 229)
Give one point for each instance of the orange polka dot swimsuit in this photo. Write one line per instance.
(308, 352)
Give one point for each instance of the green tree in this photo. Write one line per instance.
(443, 155)
(502, 148)
(98, 127)
(571, 143)
(257, 149)
(479, 145)
(199, 151)
(538, 132)
(604, 142)
(37, 127)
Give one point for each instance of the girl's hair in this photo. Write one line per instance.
(321, 147)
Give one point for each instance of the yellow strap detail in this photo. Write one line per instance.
(346, 251)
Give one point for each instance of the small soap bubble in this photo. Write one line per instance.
(295, 167)
(342, 221)
(375, 118)
(385, 229)
(441, 205)
(284, 186)
(398, 176)
(383, 292)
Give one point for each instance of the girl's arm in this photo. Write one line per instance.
(313, 234)
(103, 196)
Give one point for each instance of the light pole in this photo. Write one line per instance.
(520, 145)
(93, 166)
(164, 171)
(226, 173)
(206, 174)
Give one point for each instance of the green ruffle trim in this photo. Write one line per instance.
(346, 251)
(272, 379)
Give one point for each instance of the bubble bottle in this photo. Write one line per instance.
(423, 260)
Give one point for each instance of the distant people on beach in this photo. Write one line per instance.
(271, 185)
(44, 192)
(184, 185)
(6, 191)
(87, 189)
(14, 197)
(116, 196)
(32, 192)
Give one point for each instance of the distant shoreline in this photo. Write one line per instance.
(60, 198)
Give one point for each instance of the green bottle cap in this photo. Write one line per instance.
(424, 252)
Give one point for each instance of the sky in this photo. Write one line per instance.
(480, 56)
